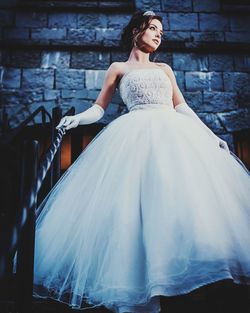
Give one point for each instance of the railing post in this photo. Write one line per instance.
(5, 125)
(76, 146)
(56, 165)
(25, 255)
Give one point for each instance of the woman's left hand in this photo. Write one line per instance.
(223, 144)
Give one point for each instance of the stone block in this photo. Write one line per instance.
(117, 21)
(240, 23)
(38, 78)
(165, 22)
(111, 113)
(194, 100)
(5, 59)
(237, 36)
(70, 79)
(116, 98)
(31, 19)
(82, 94)
(180, 78)
(94, 79)
(144, 5)
(213, 122)
(235, 120)
(206, 5)
(177, 5)
(243, 99)
(93, 94)
(92, 20)
(6, 18)
(90, 60)
(55, 59)
(51, 94)
(217, 101)
(16, 33)
(21, 97)
(190, 62)
(9, 98)
(162, 57)
(68, 93)
(242, 63)
(203, 81)
(183, 21)
(62, 20)
(11, 78)
(207, 36)
(110, 43)
(79, 104)
(119, 56)
(84, 36)
(176, 36)
(108, 34)
(22, 58)
(220, 62)
(48, 33)
(212, 21)
(236, 81)
(74, 94)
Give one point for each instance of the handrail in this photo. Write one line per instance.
(70, 111)
(10, 136)
(29, 202)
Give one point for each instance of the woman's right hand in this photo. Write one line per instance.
(68, 122)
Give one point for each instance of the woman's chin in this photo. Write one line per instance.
(148, 49)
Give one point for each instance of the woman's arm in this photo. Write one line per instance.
(182, 107)
(109, 85)
(96, 112)
(177, 95)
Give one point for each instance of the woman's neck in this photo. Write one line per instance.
(138, 56)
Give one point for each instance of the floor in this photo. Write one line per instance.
(220, 297)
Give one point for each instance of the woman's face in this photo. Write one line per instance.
(151, 38)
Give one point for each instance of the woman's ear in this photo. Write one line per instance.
(134, 31)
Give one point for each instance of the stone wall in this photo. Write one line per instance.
(56, 53)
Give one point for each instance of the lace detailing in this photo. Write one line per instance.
(144, 88)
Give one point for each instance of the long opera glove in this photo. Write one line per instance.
(185, 109)
(91, 115)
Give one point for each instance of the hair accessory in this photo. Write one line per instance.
(149, 13)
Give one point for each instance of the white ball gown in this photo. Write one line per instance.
(151, 207)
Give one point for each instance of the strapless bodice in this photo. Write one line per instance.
(146, 88)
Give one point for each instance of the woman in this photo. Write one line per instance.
(155, 205)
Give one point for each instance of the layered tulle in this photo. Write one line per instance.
(151, 207)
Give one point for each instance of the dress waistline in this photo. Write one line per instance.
(152, 106)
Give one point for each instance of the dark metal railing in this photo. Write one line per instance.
(24, 230)
(10, 135)
(56, 165)
(21, 237)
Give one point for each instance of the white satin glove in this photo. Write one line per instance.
(91, 115)
(186, 110)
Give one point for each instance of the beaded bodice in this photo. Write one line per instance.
(146, 88)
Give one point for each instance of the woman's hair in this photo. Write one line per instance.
(139, 23)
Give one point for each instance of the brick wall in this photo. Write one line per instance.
(57, 55)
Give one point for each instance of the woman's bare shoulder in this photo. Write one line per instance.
(165, 67)
(117, 67)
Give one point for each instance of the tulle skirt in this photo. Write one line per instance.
(151, 207)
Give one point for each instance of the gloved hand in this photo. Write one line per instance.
(89, 116)
(186, 110)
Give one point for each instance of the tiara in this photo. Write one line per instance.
(149, 13)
